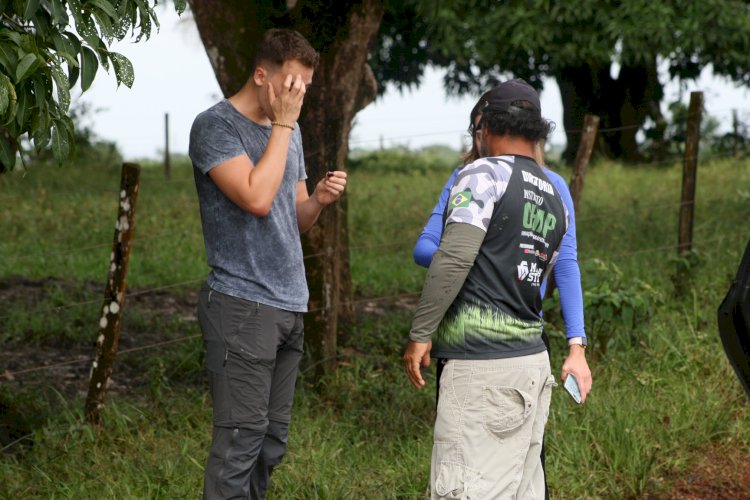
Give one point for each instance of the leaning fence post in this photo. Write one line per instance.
(114, 294)
(687, 201)
(736, 134)
(585, 148)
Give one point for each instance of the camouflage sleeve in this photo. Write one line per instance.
(445, 277)
(474, 195)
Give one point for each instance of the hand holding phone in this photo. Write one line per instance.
(571, 385)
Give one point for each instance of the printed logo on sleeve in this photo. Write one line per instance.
(461, 200)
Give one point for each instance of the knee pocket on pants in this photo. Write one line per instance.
(457, 481)
(505, 410)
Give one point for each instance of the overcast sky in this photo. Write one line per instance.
(173, 75)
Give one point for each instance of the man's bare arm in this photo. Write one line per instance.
(328, 190)
(254, 187)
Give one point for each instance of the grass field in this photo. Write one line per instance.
(664, 395)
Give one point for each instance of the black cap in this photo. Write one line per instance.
(504, 95)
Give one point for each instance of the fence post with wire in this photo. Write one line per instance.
(583, 156)
(687, 201)
(114, 294)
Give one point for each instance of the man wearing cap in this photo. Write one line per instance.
(480, 307)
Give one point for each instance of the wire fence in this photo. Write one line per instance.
(400, 245)
(64, 250)
(10, 375)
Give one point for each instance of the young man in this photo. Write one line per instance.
(480, 310)
(250, 176)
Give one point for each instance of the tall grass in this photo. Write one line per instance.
(663, 391)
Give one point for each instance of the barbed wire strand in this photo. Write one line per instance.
(28, 255)
(396, 244)
(12, 374)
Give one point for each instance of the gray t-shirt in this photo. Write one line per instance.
(253, 258)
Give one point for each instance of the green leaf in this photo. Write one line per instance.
(86, 27)
(106, 7)
(40, 91)
(74, 40)
(65, 49)
(105, 26)
(59, 13)
(60, 143)
(63, 91)
(180, 5)
(26, 66)
(122, 8)
(73, 74)
(13, 36)
(7, 152)
(627, 316)
(27, 44)
(103, 54)
(146, 15)
(123, 69)
(89, 66)
(40, 126)
(22, 107)
(12, 99)
(8, 57)
(4, 95)
(30, 10)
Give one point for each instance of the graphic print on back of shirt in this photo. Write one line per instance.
(496, 311)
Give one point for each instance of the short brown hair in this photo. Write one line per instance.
(281, 45)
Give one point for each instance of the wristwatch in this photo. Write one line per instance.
(581, 341)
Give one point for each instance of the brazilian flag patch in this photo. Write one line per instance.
(461, 200)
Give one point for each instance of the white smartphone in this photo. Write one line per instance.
(571, 385)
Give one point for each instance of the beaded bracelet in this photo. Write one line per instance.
(279, 124)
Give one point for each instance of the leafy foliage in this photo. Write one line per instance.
(609, 58)
(49, 46)
(614, 309)
(481, 41)
(401, 159)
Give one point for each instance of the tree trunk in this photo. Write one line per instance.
(343, 84)
(229, 30)
(623, 104)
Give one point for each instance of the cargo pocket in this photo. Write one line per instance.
(457, 481)
(505, 410)
(246, 338)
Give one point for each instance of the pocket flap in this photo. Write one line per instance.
(505, 408)
(457, 481)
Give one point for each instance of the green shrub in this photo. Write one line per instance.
(615, 309)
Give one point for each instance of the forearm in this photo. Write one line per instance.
(266, 176)
(445, 277)
(308, 212)
(568, 279)
(428, 241)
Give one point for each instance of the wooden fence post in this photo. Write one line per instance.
(583, 156)
(114, 294)
(689, 174)
(588, 139)
(736, 137)
(167, 165)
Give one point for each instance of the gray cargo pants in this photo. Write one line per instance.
(252, 354)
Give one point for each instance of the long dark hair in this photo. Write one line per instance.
(473, 153)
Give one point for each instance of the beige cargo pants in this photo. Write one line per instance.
(489, 428)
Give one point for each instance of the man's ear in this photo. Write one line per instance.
(260, 76)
